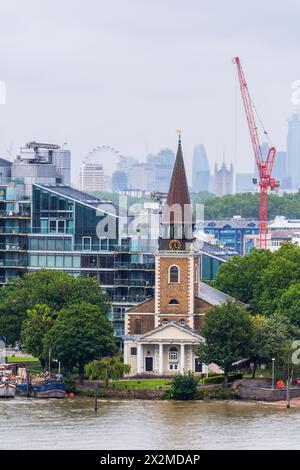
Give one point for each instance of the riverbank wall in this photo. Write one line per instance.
(261, 390)
(88, 388)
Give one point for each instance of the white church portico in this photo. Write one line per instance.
(167, 350)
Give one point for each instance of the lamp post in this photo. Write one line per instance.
(273, 373)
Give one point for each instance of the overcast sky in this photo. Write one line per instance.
(127, 73)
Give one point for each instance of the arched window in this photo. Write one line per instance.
(173, 354)
(181, 322)
(165, 321)
(174, 274)
(173, 302)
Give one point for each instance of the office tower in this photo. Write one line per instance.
(163, 165)
(244, 183)
(118, 181)
(92, 177)
(201, 171)
(293, 151)
(223, 180)
(141, 176)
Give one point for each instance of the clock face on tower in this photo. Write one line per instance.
(175, 245)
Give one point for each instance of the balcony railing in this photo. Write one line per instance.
(133, 282)
(12, 247)
(15, 214)
(14, 263)
(135, 266)
(129, 298)
(5, 279)
(15, 230)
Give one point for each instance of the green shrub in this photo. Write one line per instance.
(70, 385)
(219, 379)
(184, 387)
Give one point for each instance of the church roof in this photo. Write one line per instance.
(208, 294)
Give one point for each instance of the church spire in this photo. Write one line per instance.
(178, 191)
(177, 224)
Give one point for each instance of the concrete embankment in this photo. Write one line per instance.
(261, 390)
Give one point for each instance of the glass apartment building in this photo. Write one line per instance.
(77, 233)
(14, 227)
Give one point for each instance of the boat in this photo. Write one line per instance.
(7, 390)
(46, 389)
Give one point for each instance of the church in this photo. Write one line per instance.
(161, 334)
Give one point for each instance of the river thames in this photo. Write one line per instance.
(73, 424)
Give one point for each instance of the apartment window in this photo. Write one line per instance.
(51, 261)
(52, 226)
(42, 261)
(61, 226)
(68, 261)
(86, 243)
(59, 261)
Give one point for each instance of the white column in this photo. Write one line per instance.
(161, 357)
(182, 358)
(139, 358)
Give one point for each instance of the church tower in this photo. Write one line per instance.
(177, 261)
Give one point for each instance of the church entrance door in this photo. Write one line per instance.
(148, 364)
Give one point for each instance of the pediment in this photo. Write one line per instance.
(172, 332)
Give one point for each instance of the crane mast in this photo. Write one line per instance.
(264, 166)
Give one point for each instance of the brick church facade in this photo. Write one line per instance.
(161, 334)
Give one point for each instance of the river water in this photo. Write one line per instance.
(73, 424)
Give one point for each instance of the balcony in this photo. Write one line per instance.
(15, 263)
(12, 247)
(6, 279)
(15, 214)
(14, 230)
(129, 299)
(134, 266)
(133, 282)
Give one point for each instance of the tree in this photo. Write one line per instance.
(269, 339)
(56, 289)
(184, 387)
(80, 334)
(289, 305)
(227, 332)
(241, 275)
(38, 322)
(107, 368)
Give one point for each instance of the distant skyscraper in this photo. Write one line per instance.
(293, 151)
(118, 181)
(280, 170)
(91, 177)
(244, 183)
(223, 180)
(141, 176)
(201, 171)
(163, 164)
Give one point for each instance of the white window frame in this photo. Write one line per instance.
(173, 355)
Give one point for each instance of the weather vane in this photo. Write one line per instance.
(179, 135)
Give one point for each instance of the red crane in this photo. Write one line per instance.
(264, 166)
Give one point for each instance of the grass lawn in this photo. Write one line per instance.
(153, 384)
(22, 359)
(30, 362)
